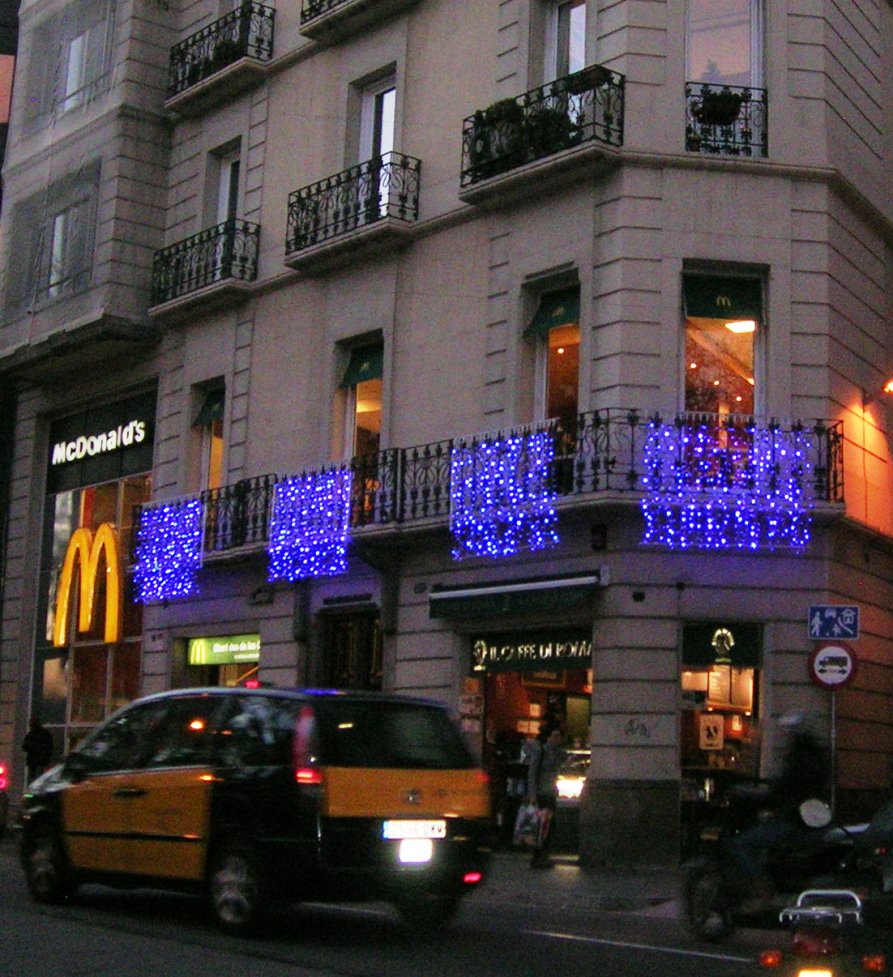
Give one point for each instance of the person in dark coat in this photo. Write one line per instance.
(546, 758)
(38, 747)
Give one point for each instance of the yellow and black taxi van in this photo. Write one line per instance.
(256, 795)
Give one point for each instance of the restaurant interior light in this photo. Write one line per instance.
(885, 388)
(741, 325)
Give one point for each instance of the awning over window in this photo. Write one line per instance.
(211, 410)
(555, 309)
(366, 363)
(718, 297)
(557, 595)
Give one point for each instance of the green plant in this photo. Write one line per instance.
(718, 108)
(593, 76)
(497, 138)
(226, 51)
(550, 130)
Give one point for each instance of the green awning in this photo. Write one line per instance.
(719, 297)
(555, 595)
(211, 410)
(555, 309)
(366, 363)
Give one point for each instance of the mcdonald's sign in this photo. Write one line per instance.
(84, 552)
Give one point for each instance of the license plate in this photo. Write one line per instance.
(413, 829)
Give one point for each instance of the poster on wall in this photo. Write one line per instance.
(711, 731)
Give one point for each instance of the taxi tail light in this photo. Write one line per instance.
(482, 777)
(771, 958)
(309, 776)
(4, 780)
(874, 963)
(472, 878)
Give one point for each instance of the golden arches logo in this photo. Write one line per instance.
(723, 301)
(84, 551)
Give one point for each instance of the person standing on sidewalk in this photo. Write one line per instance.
(38, 747)
(546, 757)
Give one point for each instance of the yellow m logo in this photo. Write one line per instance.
(723, 301)
(84, 550)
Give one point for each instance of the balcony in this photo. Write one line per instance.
(221, 60)
(371, 206)
(607, 458)
(569, 125)
(722, 120)
(212, 267)
(330, 21)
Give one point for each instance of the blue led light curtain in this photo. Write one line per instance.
(310, 525)
(501, 501)
(708, 487)
(168, 551)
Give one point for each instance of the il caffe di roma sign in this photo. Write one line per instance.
(531, 652)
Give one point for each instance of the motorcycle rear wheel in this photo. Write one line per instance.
(707, 903)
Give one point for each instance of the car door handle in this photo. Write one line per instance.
(129, 792)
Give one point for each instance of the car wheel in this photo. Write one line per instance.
(46, 870)
(428, 912)
(235, 889)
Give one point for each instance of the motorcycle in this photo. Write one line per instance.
(716, 895)
(829, 938)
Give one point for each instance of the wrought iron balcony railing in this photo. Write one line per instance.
(311, 9)
(725, 120)
(220, 253)
(244, 32)
(605, 453)
(386, 186)
(583, 107)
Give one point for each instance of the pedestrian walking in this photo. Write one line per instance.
(546, 758)
(38, 747)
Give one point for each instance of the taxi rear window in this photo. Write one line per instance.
(390, 735)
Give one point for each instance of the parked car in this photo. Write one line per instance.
(254, 795)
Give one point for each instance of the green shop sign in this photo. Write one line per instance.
(532, 652)
(226, 650)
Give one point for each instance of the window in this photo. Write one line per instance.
(725, 42)
(70, 59)
(555, 329)
(208, 427)
(352, 651)
(377, 125)
(565, 38)
(723, 326)
(362, 384)
(228, 167)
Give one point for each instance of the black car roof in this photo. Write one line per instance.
(293, 693)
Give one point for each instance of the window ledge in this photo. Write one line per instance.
(347, 17)
(217, 89)
(386, 234)
(547, 173)
(211, 298)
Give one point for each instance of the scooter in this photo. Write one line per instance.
(829, 938)
(715, 896)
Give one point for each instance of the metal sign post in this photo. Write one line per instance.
(832, 666)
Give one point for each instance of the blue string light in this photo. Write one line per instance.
(168, 551)
(716, 487)
(501, 501)
(309, 526)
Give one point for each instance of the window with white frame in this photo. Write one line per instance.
(565, 38)
(555, 329)
(725, 42)
(208, 430)
(362, 389)
(377, 127)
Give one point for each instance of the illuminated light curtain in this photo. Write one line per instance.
(501, 501)
(168, 551)
(309, 526)
(707, 487)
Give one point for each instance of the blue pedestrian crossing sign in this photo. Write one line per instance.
(833, 621)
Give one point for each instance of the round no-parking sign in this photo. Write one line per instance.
(832, 664)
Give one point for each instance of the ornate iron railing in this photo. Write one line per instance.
(245, 32)
(225, 251)
(311, 9)
(603, 453)
(587, 105)
(726, 120)
(386, 186)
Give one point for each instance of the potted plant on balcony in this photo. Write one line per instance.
(225, 52)
(590, 77)
(550, 129)
(718, 108)
(496, 141)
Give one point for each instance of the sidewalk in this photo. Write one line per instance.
(513, 881)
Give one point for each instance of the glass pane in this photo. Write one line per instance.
(89, 681)
(562, 375)
(55, 691)
(719, 366)
(125, 674)
(719, 42)
(368, 395)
